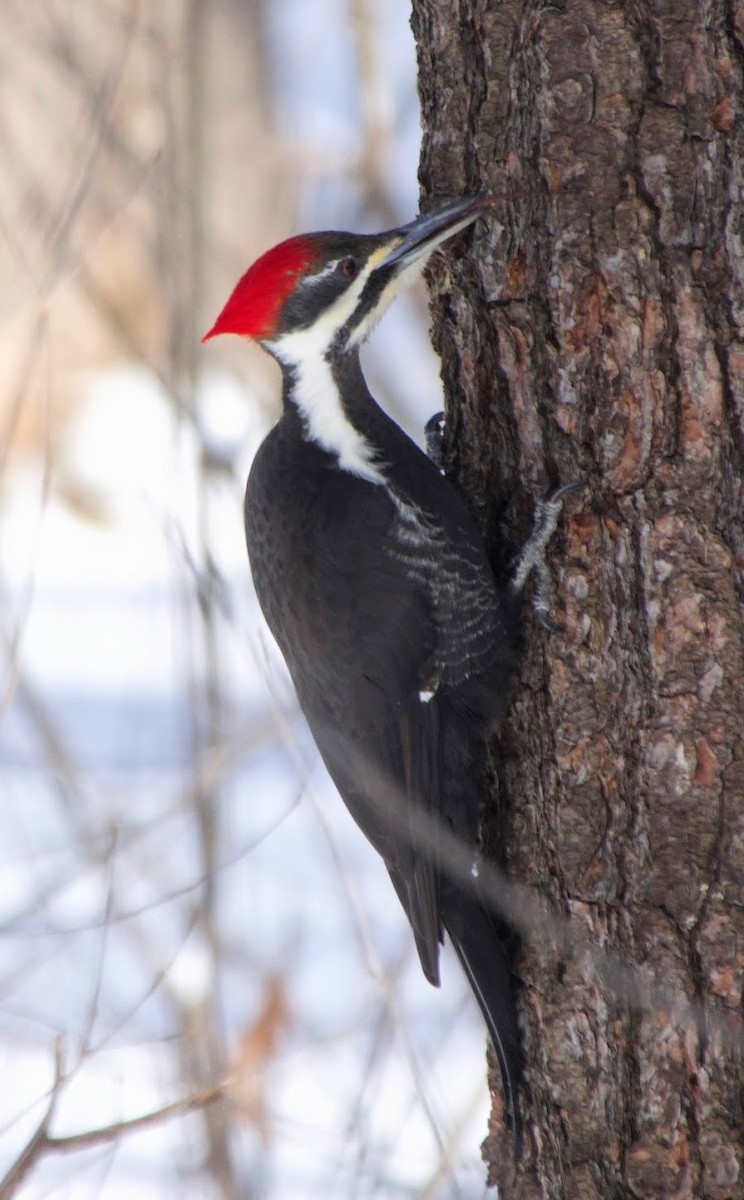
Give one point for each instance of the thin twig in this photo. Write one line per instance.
(37, 1144)
(108, 1133)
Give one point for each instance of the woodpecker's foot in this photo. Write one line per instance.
(532, 555)
(434, 435)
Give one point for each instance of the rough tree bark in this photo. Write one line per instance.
(598, 337)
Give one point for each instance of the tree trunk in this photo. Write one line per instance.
(597, 336)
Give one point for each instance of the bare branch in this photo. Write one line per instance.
(43, 1143)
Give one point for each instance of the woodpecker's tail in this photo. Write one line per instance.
(479, 939)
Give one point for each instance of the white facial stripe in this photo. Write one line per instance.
(316, 393)
(399, 282)
(328, 269)
(317, 397)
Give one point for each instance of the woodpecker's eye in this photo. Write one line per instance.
(347, 268)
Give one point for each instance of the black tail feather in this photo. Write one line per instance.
(479, 940)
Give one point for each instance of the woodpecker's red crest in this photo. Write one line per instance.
(255, 304)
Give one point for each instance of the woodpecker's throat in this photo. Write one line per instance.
(311, 385)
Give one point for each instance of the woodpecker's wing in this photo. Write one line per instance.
(380, 744)
(389, 782)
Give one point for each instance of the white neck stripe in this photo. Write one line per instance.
(320, 405)
(316, 392)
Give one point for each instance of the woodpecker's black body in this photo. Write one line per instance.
(374, 579)
(377, 594)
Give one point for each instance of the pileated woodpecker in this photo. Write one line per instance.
(374, 579)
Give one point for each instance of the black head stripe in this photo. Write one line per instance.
(368, 302)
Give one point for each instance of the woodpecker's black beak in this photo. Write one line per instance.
(427, 232)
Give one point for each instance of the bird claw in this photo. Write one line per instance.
(532, 555)
(434, 437)
(545, 522)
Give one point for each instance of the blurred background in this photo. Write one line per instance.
(184, 901)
